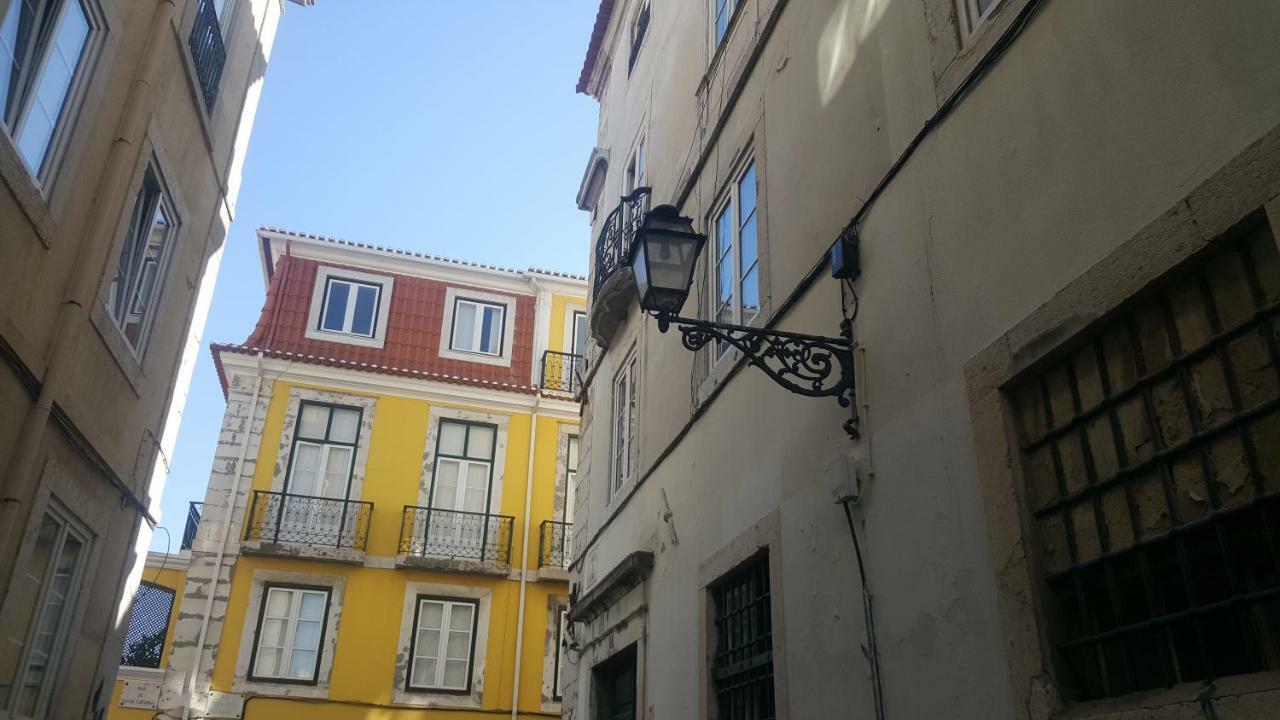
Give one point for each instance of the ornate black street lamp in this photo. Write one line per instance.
(663, 257)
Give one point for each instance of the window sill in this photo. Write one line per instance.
(472, 567)
(350, 556)
(29, 196)
(345, 338)
(141, 674)
(475, 357)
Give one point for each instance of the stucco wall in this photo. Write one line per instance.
(1101, 118)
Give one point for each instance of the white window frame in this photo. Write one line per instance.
(508, 302)
(159, 271)
(477, 332)
(349, 317)
(557, 685)
(972, 16)
(572, 452)
(296, 593)
(622, 427)
(448, 605)
(69, 526)
(731, 202)
(639, 35)
(72, 100)
(319, 295)
(637, 168)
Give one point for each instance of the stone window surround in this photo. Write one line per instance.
(957, 49)
(764, 535)
(1233, 193)
(438, 412)
(241, 683)
(133, 361)
(565, 430)
(422, 698)
(454, 293)
(367, 405)
(555, 605)
(326, 272)
(607, 635)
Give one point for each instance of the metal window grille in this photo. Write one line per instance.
(743, 664)
(208, 51)
(148, 624)
(1151, 457)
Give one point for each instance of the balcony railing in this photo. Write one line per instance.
(193, 523)
(208, 51)
(555, 544)
(562, 372)
(308, 520)
(455, 534)
(613, 250)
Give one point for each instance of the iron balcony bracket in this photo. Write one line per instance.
(810, 365)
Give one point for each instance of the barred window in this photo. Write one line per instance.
(148, 625)
(742, 667)
(1151, 457)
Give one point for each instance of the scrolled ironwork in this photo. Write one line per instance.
(456, 534)
(562, 372)
(308, 520)
(810, 365)
(555, 544)
(613, 248)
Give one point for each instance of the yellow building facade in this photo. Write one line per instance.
(388, 520)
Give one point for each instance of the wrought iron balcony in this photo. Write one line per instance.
(307, 520)
(613, 249)
(562, 372)
(555, 544)
(208, 51)
(193, 523)
(456, 535)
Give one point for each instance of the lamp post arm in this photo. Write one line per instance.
(810, 365)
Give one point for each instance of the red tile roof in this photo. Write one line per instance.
(593, 49)
(413, 335)
(411, 253)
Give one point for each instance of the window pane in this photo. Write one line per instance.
(747, 193)
(724, 231)
(53, 85)
(345, 425)
(491, 330)
(9, 52)
(452, 435)
(268, 663)
(459, 646)
(424, 673)
(304, 478)
(747, 244)
(480, 442)
(460, 617)
(273, 632)
(302, 664)
(335, 306)
(724, 8)
(750, 294)
(313, 421)
(446, 492)
(724, 281)
(432, 615)
(464, 327)
(477, 487)
(278, 602)
(307, 636)
(366, 310)
(455, 673)
(312, 606)
(573, 454)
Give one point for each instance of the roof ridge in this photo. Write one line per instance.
(417, 254)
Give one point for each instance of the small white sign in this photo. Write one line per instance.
(225, 705)
(140, 694)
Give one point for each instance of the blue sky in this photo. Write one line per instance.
(446, 126)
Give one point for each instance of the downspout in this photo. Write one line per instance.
(222, 546)
(524, 560)
(91, 261)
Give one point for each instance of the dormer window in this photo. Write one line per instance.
(477, 327)
(349, 307)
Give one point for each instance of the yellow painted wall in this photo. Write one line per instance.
(174, 580)
(368, 634)
(556, 339)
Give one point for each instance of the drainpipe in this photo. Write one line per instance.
(524, 560)
(222, 546)
(91, 262)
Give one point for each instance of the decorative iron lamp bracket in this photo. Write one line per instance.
(810, 365)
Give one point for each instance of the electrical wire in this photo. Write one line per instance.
(872, 651)
(168, 544)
